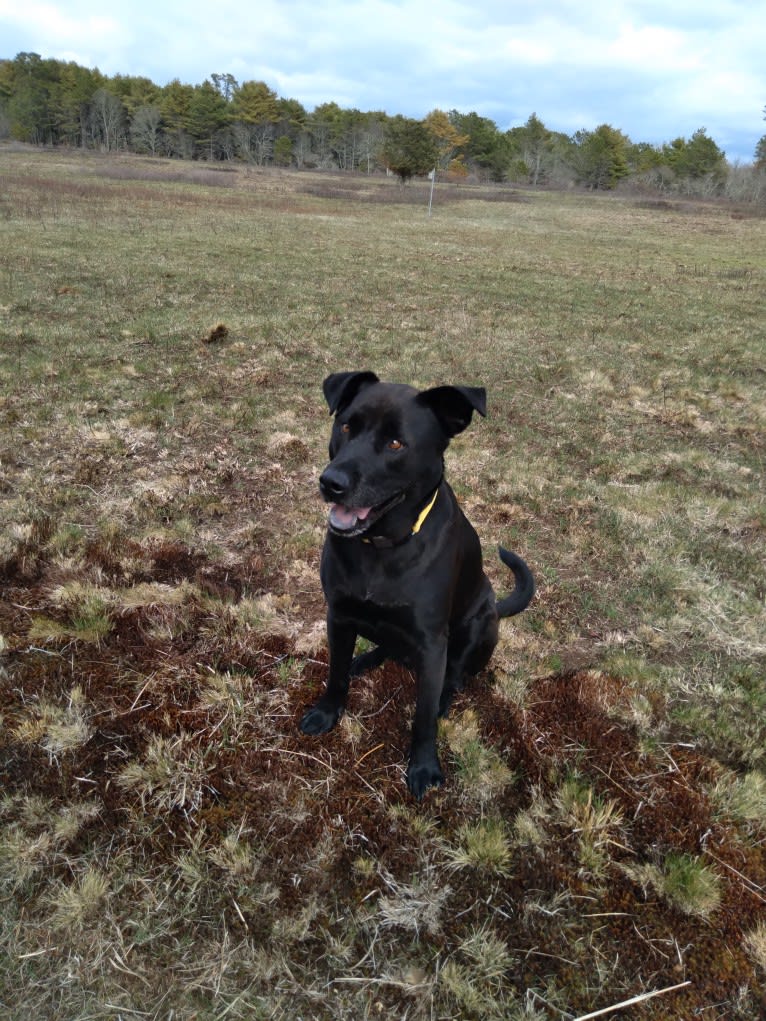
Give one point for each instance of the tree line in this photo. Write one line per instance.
(52, 102)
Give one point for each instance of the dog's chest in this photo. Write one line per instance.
(371, 595)
(361, 576)
(380, 607)
(392, 626)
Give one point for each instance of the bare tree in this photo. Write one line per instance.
(254, 142)
(107, 117)
(145, 129)
(370, 143)
(263, 142)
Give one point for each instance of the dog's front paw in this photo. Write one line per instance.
(422, 775)
(320, 718)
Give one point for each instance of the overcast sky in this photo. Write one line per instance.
(655, 69)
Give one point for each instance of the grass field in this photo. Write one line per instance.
(171, 847)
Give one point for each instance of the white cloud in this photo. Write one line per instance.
(62, 27)
(653, 49)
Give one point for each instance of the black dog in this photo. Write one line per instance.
(401, 563)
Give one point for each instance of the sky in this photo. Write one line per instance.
(655, 69)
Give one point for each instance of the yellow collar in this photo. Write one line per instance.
(380, 542)
(424, 513)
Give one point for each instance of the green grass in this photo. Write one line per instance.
(171, 846)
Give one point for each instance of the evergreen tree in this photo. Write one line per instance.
(599, 158)
(255, 111)
(534, 141)
(207, 112)
(409, 149)
(485, 146)
(71, 102)
(255, 103)
(283, 151)
(174, 103)
(697, 158)
(28, 110)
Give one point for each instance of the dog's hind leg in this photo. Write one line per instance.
(368, 661)
(470, 650)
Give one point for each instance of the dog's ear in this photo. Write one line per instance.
(454, 405)
(342, 387)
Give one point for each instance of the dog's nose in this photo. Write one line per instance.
(334, 483)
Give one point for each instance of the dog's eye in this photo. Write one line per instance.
(395, 445)
(345, 428)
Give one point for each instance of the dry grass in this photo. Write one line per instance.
(170, 845)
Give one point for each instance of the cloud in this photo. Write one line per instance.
(63, 28)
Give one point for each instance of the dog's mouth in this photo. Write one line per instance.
(353, 521)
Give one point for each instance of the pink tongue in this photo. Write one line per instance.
(347, 517)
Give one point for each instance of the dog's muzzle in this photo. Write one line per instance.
(347, 518)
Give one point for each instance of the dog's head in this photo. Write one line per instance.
(386, 448)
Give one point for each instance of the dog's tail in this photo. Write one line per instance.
(522, 594)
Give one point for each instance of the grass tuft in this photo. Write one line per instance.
(481, 771)
(743, 797)
(77, 903)
(476, 977)
(684, 881)
(690, 885)
(170, 775)
(755, 941)
(483, 845)
(59, 729)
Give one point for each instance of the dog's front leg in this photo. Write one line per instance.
(341, 639)
(424, 770)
